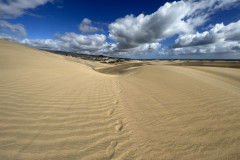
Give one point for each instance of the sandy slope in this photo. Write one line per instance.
(52, 107)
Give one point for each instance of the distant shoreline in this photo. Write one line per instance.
(101, 57)
(230, 63)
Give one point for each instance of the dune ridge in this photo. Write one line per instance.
(56, 107)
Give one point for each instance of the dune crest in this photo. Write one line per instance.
(55, 107)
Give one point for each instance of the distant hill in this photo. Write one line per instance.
(102, 58)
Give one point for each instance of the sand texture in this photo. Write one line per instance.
(56, 107)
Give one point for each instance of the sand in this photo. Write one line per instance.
(56, 107)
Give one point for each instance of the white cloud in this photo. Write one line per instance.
(217, 49)
(137, 34)
(219, 33)
(16, 8)
(17, 29)
(9, 37)
(195, 39)
(171, 19)
(86, 26)
(89, 44)
(141, 49)
(41, 43)
(146, 48)
(130, 32)
(72, 42)
(219, 40)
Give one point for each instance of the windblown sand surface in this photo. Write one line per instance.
(55, 107)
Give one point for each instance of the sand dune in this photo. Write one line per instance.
(55, 107)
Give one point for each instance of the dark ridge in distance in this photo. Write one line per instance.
(101, 58)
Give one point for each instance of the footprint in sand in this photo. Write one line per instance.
(115, 102)
(119, 125)
(111, 149)
(110, 112)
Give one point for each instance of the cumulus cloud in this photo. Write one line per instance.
(195, 39)
(219, 33)
(89, 44)
(86, 26)
(131, 31)
(217, 49)
(145, 48)
(170, 19)
(72, 42)
(9, 37)
(17, 29)
(15, 8)
(138, 34)
(141, 49)
(221, 39)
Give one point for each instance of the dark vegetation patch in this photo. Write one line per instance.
(120, 69)
(228, 64)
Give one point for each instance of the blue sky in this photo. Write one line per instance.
(65, 16)
(135, 29)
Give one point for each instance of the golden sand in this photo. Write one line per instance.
(56, 107)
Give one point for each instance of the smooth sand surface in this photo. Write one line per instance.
(56, 107)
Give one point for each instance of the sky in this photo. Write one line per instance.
(152, 29)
